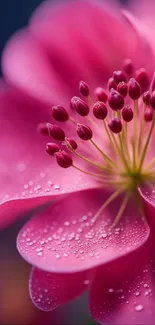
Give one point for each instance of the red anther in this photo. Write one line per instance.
(116, 100)
(72, 143)
(134, 89)
(127, 113)
(56, 132)
(52, 148)
(42, 129)
(101, 95)
(146, 98)
(148, 115)
(152, 100)
(59, 113)
(142, 78)
(128, 67)
(119, 76)
(63, 159)
(84, 88)
(100, 110)
(122, 88)
(115, 125)
(112, 84)
(84, 132)
(80, 106)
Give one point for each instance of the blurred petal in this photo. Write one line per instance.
(48, 290)
(124, 292)
(64, 239)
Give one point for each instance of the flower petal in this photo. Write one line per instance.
(43, 57)
(26, 65)
(50, 290)
(29, 177)
(124, 292)
(64, 238)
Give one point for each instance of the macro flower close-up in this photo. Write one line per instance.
(77, 103)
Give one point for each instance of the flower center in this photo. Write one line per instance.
(113, 135)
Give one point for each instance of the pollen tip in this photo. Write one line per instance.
(84, 88)
(128, 67)
(148, 115)
(122, 88)
(152, 100)
(52, 148)
(119, 76)
(79, 106)
(84, 132)
(115, 125)
(59, 113)
(146, 98)
(134, 89)
(63, 159)
(127, 113)
(142, 78)
(116, 100)
(101, 94)
(112, 84)
(100, 110)
(43, 129)
(56, 132)
(72, 143)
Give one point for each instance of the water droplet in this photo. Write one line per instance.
(137, 293)
(57, 256)
(139, 308)
(111, 290)
(86, 282)
(56, 187)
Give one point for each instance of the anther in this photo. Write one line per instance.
(72, 143)
(84, 88)
(146, 98)
(100, 110)
(122, 88)
(127, 113)
(63, 159)
(115, 125)
(59, 113)
(148, 115)
(134, 89)
(101, 95)
(84, 132)
(42, 129)
(142, 78)
(116, 100)
(80, 106)
(56, 132)
(112, 84)
(128, 67)
(152, 100)
(52, 148)
(119, 76)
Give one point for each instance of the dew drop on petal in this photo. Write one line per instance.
(139, 308)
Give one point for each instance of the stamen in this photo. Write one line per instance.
(84, 88)
(79, 106)
(63, 159)
(148, 115)
(100, 110)
(42, 129)
(112, 84)
(142, 78)
(105, 204)
(134, 89)
(128, 67)
(101, 94)
(122, 88)
(115, 125)
(116, 100)
(84, 132)
(127, 113)
(59, 113)
(121, 210)
(146, 98)
(119, 76)
(56, 132)
(52, 148)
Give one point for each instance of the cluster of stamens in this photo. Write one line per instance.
(125, 114)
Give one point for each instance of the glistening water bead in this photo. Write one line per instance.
(117, 128)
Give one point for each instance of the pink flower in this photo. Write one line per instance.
(95, 234)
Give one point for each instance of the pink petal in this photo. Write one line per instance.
(70, 42)
(26, 65)
(29, 177)
(50, 290)
(64, 239)
(148, 200)
(124, 292)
